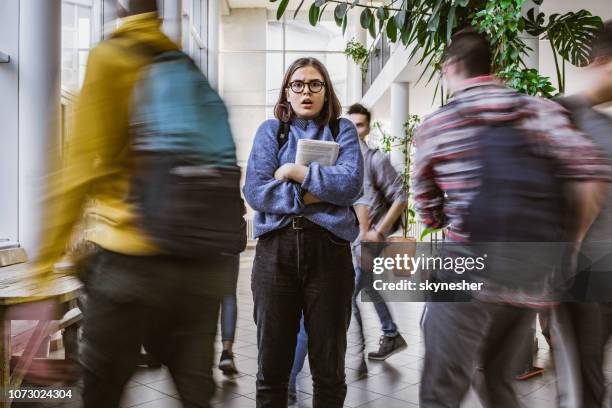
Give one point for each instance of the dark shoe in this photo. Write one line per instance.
(388, 347)
(291, 397)
(226, 364)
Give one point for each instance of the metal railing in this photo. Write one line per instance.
(378, 55)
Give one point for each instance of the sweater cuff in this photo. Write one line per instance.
(308, 179)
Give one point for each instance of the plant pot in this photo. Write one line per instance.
(400, 246)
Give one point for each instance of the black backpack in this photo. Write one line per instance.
(518, 217)
(185, 182)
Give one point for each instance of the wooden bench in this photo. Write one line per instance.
(52, 308)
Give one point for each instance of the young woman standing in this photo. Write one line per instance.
(305, 224)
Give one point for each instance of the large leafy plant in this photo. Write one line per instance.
(569, 34)
(427, 26)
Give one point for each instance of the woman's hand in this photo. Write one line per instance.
(283, 173)
(373, 235)
(291, 172)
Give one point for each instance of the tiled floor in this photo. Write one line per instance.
(389, 384)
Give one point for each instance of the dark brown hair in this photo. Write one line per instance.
(473, 50)
(361, 110)
(331, 110)
(602, 43)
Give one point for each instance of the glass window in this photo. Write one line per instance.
(77, 39)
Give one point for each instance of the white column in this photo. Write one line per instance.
(173, 20)
(214, 16)
(399, 111)
(39, 107)
(532, 59)
(354, 75)
(9, 120)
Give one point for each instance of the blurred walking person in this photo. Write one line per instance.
(453, 188)
(305, 224)
(583, 325)
(379, 211)
(148, 131)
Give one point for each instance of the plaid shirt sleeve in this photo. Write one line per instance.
(429, 198)
(389, 181)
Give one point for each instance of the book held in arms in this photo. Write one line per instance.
(323, 152)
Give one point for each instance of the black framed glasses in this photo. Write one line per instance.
(314, 86)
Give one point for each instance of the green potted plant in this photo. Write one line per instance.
(359, 54)
(405, 243)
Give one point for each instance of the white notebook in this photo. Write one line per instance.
(323, 152)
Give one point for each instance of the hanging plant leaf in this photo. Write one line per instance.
(313, 14)
(391, 30)
(297, 10)
(382, 13)
(320, 3)
(321, 12)
(450, 23)
(355, 2)
(436, 10)
(340, 12)
(400, 18)
(433, 24)
(365, 18)
(281, 9)
(344, 25)
(572, 33)
(372, 27)
(534, 25)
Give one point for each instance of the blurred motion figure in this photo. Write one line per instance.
(583, 325)
(452, 187)
(143, 123)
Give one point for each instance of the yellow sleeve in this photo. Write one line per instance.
(100, 133)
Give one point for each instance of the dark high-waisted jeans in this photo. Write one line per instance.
(308, 270)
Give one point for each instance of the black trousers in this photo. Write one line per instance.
(307, 270)
(461, 335)
(168, 304)
(580, 334)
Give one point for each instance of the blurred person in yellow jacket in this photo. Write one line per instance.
(135, 294)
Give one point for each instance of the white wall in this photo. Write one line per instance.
(9, 44)
(243, 74)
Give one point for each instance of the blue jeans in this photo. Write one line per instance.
(365, 281)
(301, 351)
(229, 315)
(229, 306)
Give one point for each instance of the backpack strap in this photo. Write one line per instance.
(282, 134)
(334, 126)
